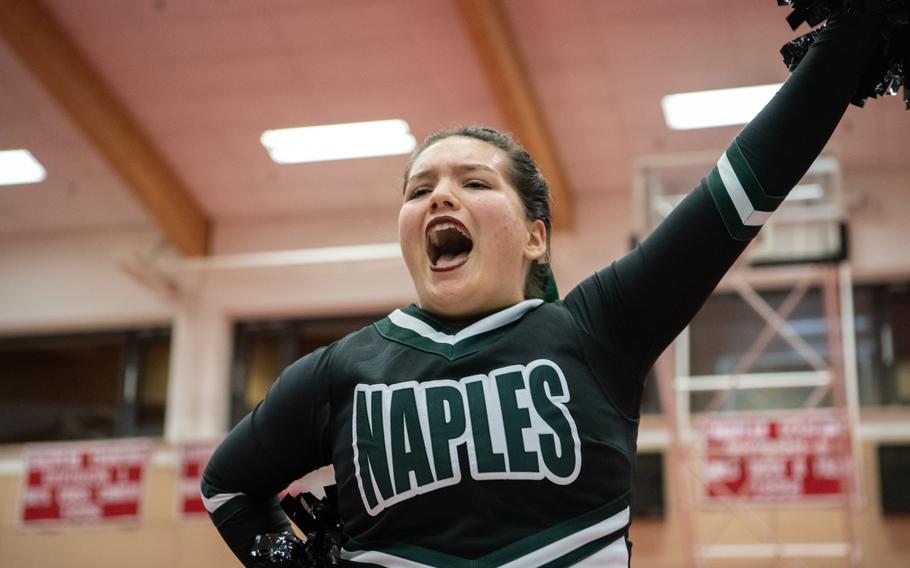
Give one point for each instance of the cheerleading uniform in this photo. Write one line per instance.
(510, 442)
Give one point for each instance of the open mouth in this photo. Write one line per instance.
(448, 244)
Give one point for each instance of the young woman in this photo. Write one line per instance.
(485, 426)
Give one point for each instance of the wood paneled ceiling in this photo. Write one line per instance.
(199, 80)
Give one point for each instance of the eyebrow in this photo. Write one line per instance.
(460, 168)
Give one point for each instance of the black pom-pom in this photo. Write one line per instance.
(794, 50)
(886, 73)
(319, 520)
(280, 550)
(813, 12)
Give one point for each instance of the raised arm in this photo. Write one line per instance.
(640, 303)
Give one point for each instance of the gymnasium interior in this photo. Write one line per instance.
(169, 258)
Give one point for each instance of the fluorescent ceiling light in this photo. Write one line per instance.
(284, 258)
(806, 191)
(20, 166)
(338, 141)
(706, 109)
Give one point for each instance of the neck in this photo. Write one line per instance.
(460, 321)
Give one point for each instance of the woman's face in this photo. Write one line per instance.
(464, 233)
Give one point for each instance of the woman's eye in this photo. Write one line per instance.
(477, 185)
(418, 191)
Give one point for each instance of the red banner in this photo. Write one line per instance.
(784, 458)
(83, 483)
(194, 456)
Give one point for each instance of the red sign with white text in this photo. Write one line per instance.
(194, 456)
(780, 459)
(79, 484)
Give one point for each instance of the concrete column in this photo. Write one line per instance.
(199, 389)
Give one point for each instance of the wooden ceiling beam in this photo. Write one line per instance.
(494, 41)
(54, 59)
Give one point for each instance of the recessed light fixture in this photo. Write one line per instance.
(338, 141)
(722, 107)
(20, 166)
(806, 192)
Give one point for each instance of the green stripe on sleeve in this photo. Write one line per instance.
(735, 227)
(760, 200)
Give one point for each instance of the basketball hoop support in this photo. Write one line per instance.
(815, 260)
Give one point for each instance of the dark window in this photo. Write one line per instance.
(82, 386)
(725, 328)
(648, 486)
(153, 354)
(262, 349)
(894, 471)
(650, 399)
(883, 343)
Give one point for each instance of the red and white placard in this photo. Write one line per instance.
(83, 484)
(784, 458)
(193, 458)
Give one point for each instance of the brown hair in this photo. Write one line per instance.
(525, 176)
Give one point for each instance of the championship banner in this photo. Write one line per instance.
(194, 456)
(81, 484)
(785, 458)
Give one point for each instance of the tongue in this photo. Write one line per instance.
(448, 260)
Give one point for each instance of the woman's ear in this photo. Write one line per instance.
(536, 246)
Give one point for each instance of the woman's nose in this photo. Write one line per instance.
(443, 197)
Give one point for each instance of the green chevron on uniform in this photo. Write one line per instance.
(559, 546)
(742, 202)
(415, 328)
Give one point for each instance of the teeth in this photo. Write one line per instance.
(442, 242)
(437, 229)
(447, 225)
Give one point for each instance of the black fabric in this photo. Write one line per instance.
(638, 304)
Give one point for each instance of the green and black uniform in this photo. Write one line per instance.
(510, 442)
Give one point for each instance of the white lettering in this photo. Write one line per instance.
(488, 414)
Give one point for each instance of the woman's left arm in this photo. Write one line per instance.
(641, 302)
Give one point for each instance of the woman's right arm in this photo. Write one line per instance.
(285, 437)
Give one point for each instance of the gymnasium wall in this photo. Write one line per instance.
(162, 539)
(76, 282)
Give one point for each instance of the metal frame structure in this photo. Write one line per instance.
(836, 375)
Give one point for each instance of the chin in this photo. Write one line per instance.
(450, 299)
